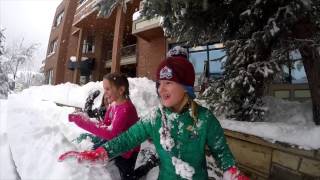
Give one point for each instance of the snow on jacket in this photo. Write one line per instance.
(118, 119)
(189, 141)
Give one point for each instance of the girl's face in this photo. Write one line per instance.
(106, 101)
(171, 94)
(111, 92)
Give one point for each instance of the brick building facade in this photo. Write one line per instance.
(83, 47)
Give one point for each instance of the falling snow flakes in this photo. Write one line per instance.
(183, 169)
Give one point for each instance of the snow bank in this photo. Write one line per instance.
(286, 121)
(38, 130)
(7, 170)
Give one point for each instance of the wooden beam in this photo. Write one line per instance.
(117, 39)
(76, 73)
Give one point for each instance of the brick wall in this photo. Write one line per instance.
(150, 54)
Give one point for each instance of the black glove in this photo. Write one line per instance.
(98, 113)
(89, 102)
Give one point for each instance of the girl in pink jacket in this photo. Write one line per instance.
(120, 115)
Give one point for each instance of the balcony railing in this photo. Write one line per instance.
(128, 56)
(84, 9)
(125, 52)
(142, 24)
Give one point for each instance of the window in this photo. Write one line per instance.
(293, 72)
(58, 19)
(52, 47)
(207, 61)
(291, 83)
(88, 45)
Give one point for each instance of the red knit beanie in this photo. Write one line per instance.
(178, 69)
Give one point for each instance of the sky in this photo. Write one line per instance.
(30, 20)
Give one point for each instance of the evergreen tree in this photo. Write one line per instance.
(106, 7)
(258, 35)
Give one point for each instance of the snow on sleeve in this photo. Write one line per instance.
(183, 169)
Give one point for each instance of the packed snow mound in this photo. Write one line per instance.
(285, 121)
(290, 112)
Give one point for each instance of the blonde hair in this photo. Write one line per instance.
(194, 111)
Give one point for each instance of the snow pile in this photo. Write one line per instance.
(143, 95)
(38, 130)
(286, 121)
(7, 169)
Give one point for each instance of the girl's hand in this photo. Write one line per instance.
(234, 173)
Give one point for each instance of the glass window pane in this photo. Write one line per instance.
(295, 55)
(283, 76)
(216, 67)
(197, 59)
(298, 73)
(216, 54)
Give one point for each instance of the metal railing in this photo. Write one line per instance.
(125, 51)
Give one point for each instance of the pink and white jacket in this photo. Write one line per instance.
(118, 119)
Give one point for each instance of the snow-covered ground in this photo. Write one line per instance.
(37, 130)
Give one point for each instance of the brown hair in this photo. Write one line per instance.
(118, 80)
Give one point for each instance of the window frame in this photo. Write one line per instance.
(52, 47)
(58, 19)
